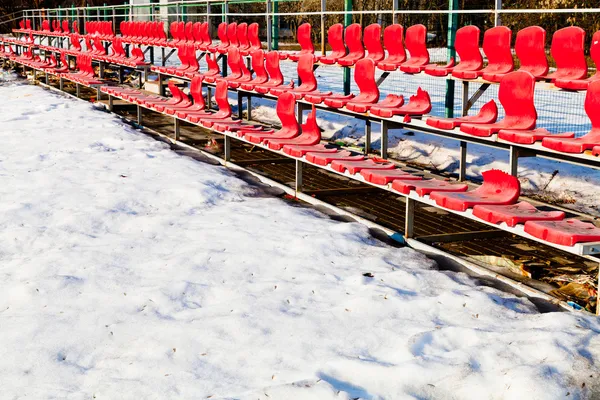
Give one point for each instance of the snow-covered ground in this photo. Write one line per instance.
(128, 271)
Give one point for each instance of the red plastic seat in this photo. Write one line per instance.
(306, 75)
(353, 40)
(364, 75)
(253, 39)
(171, 109)
(258, 66)
(515, 214)
(567, 49)
(327, 158)
(205, 39)
(418, 105)
(467, 48)
(487, 115)
(498, 52)
(385, 176)
(582, 84)
(310, 135)
(286, 112)
(223, 105)
(516, 96)
(423, 187)
(196, 93)
(222, 35)
(394, 44)
(213, 71)
(242, 35)
(530, 136)
(416, 44)
(335, 38)
(354, 167)
(498, 188)
(275, 75)
(305, 42)
(372, 39)
(296, 150)
(239, 71)
(589, 140)
(232, 36)
(530, 47)
(567, 232)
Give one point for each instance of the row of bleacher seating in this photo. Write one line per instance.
(495, 201)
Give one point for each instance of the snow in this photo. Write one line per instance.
(128, 271)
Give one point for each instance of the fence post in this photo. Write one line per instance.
(323, 9)
(347, 21)
(275, 34)
(452, 24)
(394, 9)
(208, 12)
(497, 17)
(269, 25)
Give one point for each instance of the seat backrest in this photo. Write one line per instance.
(191, 52)
(253, 38)
(232, 34)
(416, 43)
(221, 98)
(516, 96)
(181, 30)
(196, 32)
(372, 39)
(530, 47)
(286, 112)
(205, 34)
(273, 69)
(258, 64)
(161, 30)
(394, 42)
(76, 27)
(353, 40)
(173, 30)
(467, 48)
(213, 66)
(304, 38)
(595, 51)
(305, 71)
(496, 46)
(567, 50)
(63, 59)
(335, 38)
(137, 54)
(189, 31)
(364, 76)
(222, 33)
(65, 26)
(242, 35)
(175, 92)
(310, 129)
(196, 91)
(592, 104)
(234, 60)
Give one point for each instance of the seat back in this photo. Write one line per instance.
(394, 42)
(175, 92)
(595, 51)
(496, 45)
(65, 26)
(221, 99)
(467, 48)
(516, 96)
(304, 38)
(306, 73)
(364, 76)
(258, 65)
(286, 112)
(353, 40)
(196, 32)
(567, 50)
(372, 39)
(253, 38)
(335, 38)
(189, 31)
(242, 35)
(310, 129)
(530, 47)
(191, 54)
(173, 30)
(196, 91)
(213, 66)
(161, 31)
(273, 69)
(222, 33)
(592, 105)
(235, 61)
(416, 44)
(232, 34)
(205, 34)
(137, 54)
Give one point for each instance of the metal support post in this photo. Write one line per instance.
(323, 9)
(240, 99)
(227, 148)
(249, 107)
(101, 70)
(139, 115)
(275, 24)
(514, 160)
(367, 136)
(465, 98)
(452, 26)
(77, 89)
(269, 22)
(121, 74)
(347, 22)
(394, 8)
(177, 127)
(409, 220)
(497, 17)
(111, 103)
(60, 83)
(208, 97)
(462, 162)
(299, 111)
(299, 165)
(163, 61)
(384, 139)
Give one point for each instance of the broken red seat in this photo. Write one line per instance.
(335, 37)
(567, 49)
(423, 187)
(213, 71)
(516, 96)
(416, 44)
(273, 71)
(353, 167)
(307, 78)
(589, 140)
(530, 136)
(353, 40)
(567, 232)
(223, 105)
(385, 176)
(514, 214)
(305, 42)
(394, 44)
(582, 84)
(324, 159)
(530, 47)
(487, 115)
(496, 46)
(419, 104)
(235, 125)
(372, 39)
(498, 188)
(286, 112)
(258, 66)
(296, 150)
(310, 134)
(467, 48)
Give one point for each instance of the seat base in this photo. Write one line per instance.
(514, 214)
(425, 187)
(567, 232)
